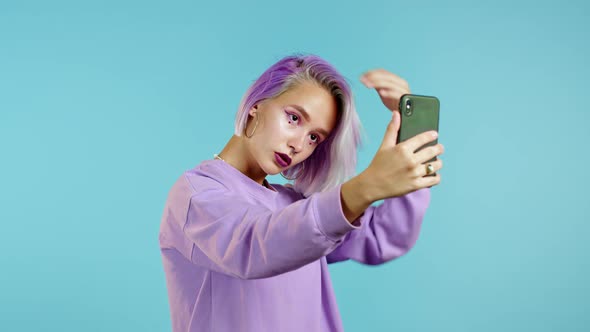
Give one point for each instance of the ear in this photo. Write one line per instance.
(253, 110)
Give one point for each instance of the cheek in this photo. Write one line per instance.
(278, 128)
(308, 151)
(272, 132)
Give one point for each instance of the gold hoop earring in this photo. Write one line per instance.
(298, 173)
(255, 125)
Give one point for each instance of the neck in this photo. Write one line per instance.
(237, 154)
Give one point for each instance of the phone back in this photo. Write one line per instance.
(418, 114)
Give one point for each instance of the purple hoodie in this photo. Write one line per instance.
(241, 257)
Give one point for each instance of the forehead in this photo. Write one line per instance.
(315, 100)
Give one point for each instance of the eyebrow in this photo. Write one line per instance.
(306, 116)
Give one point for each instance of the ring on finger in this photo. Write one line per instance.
(429, 169)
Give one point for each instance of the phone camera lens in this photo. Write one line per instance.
(408, 107)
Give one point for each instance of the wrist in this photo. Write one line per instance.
(364, 189)
(355, 197)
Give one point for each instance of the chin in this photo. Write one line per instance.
(274, 170)
(271, 169)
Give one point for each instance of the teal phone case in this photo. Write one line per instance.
(422, 115)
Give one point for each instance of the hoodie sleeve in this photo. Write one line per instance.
(229, 234)
(386, 231)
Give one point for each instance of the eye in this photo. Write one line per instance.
(315, 138)
(292, 117)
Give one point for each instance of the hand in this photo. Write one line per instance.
(390, 87)
(397, 169)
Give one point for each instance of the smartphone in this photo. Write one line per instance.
(418, 114)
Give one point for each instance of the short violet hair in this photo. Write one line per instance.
(334, 160)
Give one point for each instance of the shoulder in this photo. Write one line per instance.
(202, 179)
(205, 177)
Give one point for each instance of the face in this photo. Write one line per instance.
(292, 125)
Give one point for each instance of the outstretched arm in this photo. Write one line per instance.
(397, 175)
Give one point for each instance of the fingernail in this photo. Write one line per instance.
(434, 134)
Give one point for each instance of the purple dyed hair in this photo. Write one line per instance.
(334, 160)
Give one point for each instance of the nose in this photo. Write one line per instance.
(296, 143)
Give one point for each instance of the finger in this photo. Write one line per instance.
(428, 153)
(423, 168)
(428, 181)
(392, 94)
(382, 75)
(386, 84)
(390, 137)
(420, 140)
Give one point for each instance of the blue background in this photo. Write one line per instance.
(104, 104)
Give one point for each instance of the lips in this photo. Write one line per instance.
(282, 159)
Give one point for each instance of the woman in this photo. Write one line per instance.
(241, 254)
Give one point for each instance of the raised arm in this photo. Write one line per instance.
(397, 174)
